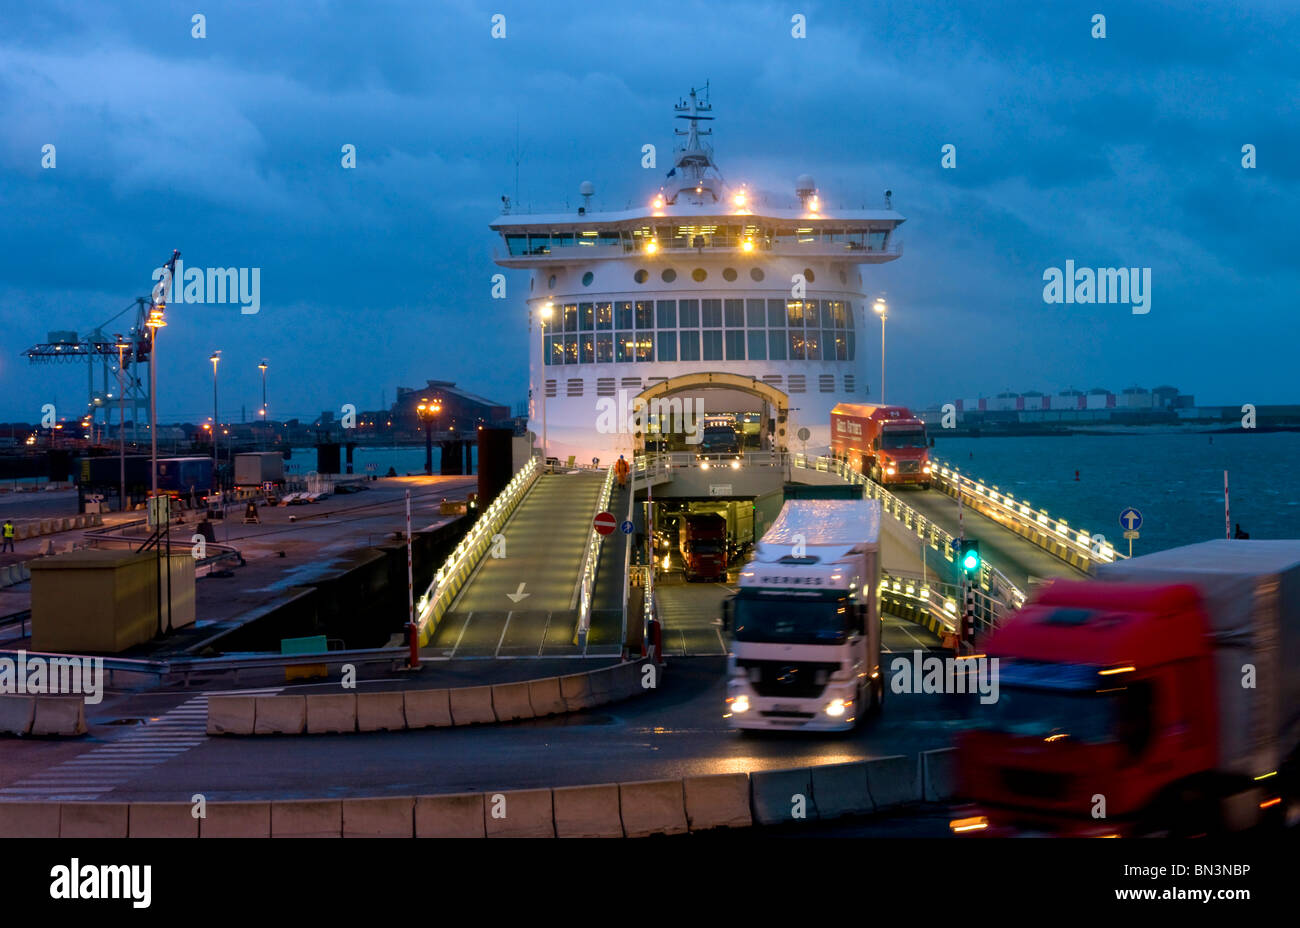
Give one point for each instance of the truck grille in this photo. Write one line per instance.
(909, 467)
(776, 679)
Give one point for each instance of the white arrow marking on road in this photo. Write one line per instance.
(518, 594)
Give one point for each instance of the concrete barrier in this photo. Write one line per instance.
(587, 811)
(307, 818)
(627, 680)
(331, 712)
(778, 796)
(519, 813)
(231, 715)
(454, 816)
(59, 715)
(29, 819)
(575, 689)
(510, 702)
(545, 697)
(162, 820)
(93, 820)
(236, 820)
(280, 715)
(717, 801)
(17, 714)
(381, 712)
(602, 685)
(379, 818)
(938, 774)
(471, 705)
(427, 708)
(652, 807)
(841, 789)
(892, 781)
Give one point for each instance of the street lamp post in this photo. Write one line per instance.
(216, 356)
(883, 310)
(427, 411)
(121, 424)
(262, 367)
(155, 322)
(545, 314)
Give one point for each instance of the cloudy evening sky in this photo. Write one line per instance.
(1124, 151)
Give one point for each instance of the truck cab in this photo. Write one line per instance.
(704, 547)
(805, 626)
(886, 443)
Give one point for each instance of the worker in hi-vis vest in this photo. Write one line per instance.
(9, 537)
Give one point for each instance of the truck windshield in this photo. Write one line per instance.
(721, 438)
(707, 546)
(1082, 715)
(901, 438)
(792, 620)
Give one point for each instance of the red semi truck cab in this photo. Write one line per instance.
(1124, 707)
(704, 547)
(887, 443)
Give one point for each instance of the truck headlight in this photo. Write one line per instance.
(926, 468)
(889, 470)
(835, 708)
(739, 703)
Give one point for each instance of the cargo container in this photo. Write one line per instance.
(252, 469)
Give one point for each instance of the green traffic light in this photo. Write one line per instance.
(970, 561)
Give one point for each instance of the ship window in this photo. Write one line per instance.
(645, 314)
(756, 274)
(776, 314)
(851, 341)
(794, 313)
(735, 314)
(712, 342)
(699, 275)
(711, 313)
(641, 276)
(812, 346)
(518, 244)
(848, 313)
(587, 278)
(562, 240)
(667, 346)
(835, 309)
(812, 313)
(570, 317)
(729, 274)
(607, 238)
(645, 346)
(829, 345)
(551, 283)
(585, 317)
(844, 277)
(604, 316)
(735, 344)
(570, 349)
(666, 310)
(604, 347)
(555, 349)
(755, 313)
(623, 315)
(689, 316)
(587, 349)
(796, 345)
(539, 244)
(876, 241)
(757, 346)
(669, 275)
(808, 275)
(624, 347)
(776, 349)
(690, 345)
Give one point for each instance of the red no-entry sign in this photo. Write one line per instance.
(605, 522)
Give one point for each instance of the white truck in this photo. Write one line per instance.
(805, 623)
(254, 468)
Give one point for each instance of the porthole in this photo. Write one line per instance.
(552, 282)
(587, 278)
(699, 274)
(532, 284)
(669, 275)
(756, 273)
(641, 276)
(728, 274)
(808, 275)
(844, 277)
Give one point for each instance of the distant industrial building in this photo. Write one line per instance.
(460, 409)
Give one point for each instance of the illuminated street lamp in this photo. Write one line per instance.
(121, 420)
(544, 314)
(216, 356)
(883, 311)
(262, 367)
(428, 411)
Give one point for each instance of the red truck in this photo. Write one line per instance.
(887, 443)
(1162, 698)
(704, 547)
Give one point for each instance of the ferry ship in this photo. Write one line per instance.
(705, 294)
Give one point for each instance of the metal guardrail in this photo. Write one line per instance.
(590, 561)
(1020, 517)
(943, 601)
(658, 464)
(451, 577)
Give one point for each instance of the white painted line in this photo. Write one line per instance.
(544, 631)
(456, 646)
(504, 628)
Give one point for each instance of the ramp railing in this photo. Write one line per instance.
(590, 561)
(459, 566)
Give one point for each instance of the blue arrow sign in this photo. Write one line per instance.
(1130, 519)
(627, 527)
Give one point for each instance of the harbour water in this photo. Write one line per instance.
(1174, 479)
(406, 460)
